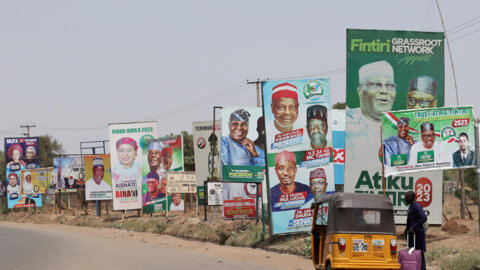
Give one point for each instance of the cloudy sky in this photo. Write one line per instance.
(72, 67)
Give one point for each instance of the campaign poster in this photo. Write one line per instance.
(242, 147)
(214, 193)
(201, 195)
(389, 71)
(127, 143)
(299, 150)
(98, 175)
(428, 139)
(338, 145)
(239, 200)
(206, 148)
(34, 180)
(67, 173)
(21, 153)
(181, 182)
(160, 156)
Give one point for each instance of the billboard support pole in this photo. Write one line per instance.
(256, 203)
(478, 173)
(205, 199)
(384, 184)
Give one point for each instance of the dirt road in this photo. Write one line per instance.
(47, 246)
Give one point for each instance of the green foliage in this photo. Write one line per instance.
(49, 148)
(468, 261)
(471, 185)
(307, 248)
(189, 160)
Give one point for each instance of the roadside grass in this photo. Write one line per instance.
(448, 258)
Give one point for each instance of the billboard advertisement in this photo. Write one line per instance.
(214, 193)
(239, 200)
(34, 180)
(428, 139)
(389, 71)
(181, 182)
(21, 153)
(206, 148)
(161, 155)
(242, 150)
(127, 143)
(67, 172)
(299, 150)
(98, 175)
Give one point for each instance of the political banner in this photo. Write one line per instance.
(98, 175)
(181, 182)
(127, 143)
(67, 173)
(161, 155)
(201, 195)
(428, 139)
(35, 180)
(242, 150)
(206, 148)
(239, 200)
(214, 195)
(299, 150)
(338, 145)
(21, 153)
(388, 71)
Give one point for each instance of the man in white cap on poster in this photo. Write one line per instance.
(237, 149)
(27, 185)
(96, 183)
(427, 150)
(376, 92)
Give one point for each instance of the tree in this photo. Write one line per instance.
(48, 149)
(188, 156)
(340, 105)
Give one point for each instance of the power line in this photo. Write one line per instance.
(466, 35)
(462, 24)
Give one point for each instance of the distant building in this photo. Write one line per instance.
(450, 186)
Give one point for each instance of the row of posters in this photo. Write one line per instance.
(298, 150)
(390, 71)
(140, 164)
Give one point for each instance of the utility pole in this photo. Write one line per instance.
(258, 82)
(27, 134)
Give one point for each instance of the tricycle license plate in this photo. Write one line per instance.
(359, 245)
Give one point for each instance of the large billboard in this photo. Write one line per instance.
(67, 171)
(98, 175)
(127, 143)
(299, 150)
(206, 148)
(242, 150)
(161, 155)
(389, 71)
(428, 139)
(21, 153)
(34, 180)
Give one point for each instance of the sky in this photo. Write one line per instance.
(73, 67)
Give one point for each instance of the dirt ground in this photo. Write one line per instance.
(444, 248)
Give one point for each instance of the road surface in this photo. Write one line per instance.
(52, 246)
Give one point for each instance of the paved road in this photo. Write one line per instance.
(37, 247)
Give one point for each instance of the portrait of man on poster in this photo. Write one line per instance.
(422, 92)
(317, 126)
(286, 170)
(237, 149)
(464, 156)
(398, 147)
(284, 106)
